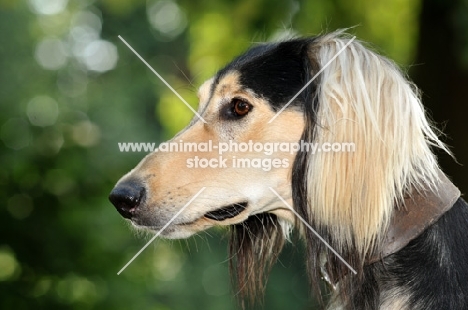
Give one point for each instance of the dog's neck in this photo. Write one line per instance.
(418, 211)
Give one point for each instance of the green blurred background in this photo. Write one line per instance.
(70, 90)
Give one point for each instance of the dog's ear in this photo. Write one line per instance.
(371, 117)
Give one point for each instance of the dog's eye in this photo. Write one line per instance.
(240, 107)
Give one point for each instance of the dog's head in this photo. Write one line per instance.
(236, 106)
(356, 97)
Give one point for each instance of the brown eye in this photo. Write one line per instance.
(240, 107)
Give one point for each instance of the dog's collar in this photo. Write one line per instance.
(418, 211)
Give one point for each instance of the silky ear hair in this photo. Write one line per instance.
(364, 99)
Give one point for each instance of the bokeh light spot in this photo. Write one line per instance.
(74, 288)
(42, 111)
(100, 56)
(167, 18)
(9, 267)
(51, 54)
(48, 7)
(167, 264)
(87, 19)
(86, 134)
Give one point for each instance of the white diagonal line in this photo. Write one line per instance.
(161, 230)
(313, 230)
(311, 80)
(163, 80)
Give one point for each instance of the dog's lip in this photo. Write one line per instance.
(227, 212)
(220, 214)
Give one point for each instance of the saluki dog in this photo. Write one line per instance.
(385, 207)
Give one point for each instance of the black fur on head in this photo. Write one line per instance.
(275, 71)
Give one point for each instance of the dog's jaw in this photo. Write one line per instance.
(206, 211)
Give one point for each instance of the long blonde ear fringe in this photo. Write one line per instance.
(365, 99)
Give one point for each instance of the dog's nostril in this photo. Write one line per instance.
(126, 197)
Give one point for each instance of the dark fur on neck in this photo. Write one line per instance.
(433, 268)
(431, 272)
(254, 247)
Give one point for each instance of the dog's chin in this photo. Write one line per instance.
(224, 216)
(173, 231)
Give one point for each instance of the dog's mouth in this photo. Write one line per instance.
(227, 212)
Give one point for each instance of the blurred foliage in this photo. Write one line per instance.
(70, 90)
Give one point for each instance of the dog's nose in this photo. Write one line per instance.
(126, 197)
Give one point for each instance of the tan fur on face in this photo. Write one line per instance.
(170, 184)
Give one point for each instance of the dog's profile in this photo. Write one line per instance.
(386, 208)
